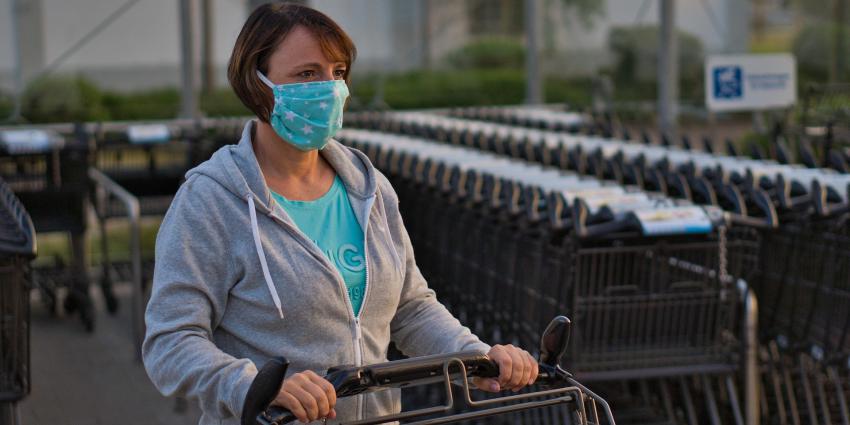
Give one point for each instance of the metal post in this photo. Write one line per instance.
(836, 69)
(425, 22)
(207, 49)
(19, 75)
(533, 80)
(668, 70)
(750, 366)
(188, 99)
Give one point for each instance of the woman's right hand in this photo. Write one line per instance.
(308, 396)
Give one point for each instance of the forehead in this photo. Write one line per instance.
(302, 46)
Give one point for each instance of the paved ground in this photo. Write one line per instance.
(80, 378)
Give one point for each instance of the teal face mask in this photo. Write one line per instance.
(307, 115)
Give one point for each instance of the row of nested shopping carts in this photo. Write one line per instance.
(649, 248)
(787, 238)
(137, 168)
(52, 178)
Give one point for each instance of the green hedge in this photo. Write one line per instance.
(488, 53)
(74, 98)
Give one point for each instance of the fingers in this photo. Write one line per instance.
(308, 396)
(291, 403)
(499, 354)
(326, 387)
(487, 384)
(519, 376)
(517, 368)
(534, 368)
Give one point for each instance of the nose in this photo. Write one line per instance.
(326, 73)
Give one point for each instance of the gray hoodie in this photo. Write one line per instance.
(236, 283)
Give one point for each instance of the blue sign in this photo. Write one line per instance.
(728, 82)
(750, 82)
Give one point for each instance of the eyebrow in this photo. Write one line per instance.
(315, 65)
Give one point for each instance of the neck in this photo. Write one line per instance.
(280, 160)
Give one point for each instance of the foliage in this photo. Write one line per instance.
(635, 49)
(222, 102)
(82, 101)
(494, 52)
(813, 48)
(161, 103)
(63, 99)
(436, 89)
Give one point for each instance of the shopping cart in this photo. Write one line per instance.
(17, 249)
(554, 386)
(503, 254)
(45, 170)
(149, 160)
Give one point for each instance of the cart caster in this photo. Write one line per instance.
(87, 314)
(71, 303)
(109, 296)
(111, 303)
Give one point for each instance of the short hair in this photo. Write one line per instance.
(265, 28)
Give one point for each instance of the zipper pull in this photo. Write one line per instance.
(358, 333)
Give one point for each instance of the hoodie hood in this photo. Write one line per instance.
(236, 168)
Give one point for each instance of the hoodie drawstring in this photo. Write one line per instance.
(255, 230)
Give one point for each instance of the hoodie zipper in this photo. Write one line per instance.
(357, 331)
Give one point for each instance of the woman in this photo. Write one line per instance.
(292, 244)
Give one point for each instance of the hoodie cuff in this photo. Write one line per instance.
(240, 388)
(477, 346)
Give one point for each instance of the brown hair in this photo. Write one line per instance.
(267, 26)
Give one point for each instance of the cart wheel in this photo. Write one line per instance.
(48, 298)
(111, 303)
(108, 293)
(87, 314)
(109, 296)
(71, 303)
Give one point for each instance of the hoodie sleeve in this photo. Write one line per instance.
(421, 325)
(192, 277)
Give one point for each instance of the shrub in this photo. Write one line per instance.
(636, 58)
(63, 99)
(161, 103)
(488, 53)
(813, 48)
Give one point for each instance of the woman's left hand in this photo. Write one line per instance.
(516, 369)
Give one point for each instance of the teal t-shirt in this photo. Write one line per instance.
(330, 223)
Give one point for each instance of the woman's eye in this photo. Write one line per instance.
(339, 73)
(307, 74)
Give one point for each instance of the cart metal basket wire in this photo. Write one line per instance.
(17, 249)
(44, 170)
(652, 306)
(148, 159)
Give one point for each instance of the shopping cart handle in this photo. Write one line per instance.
(554, 342)
(703, 191)
(823, 206)
(353, 380)
(262, 393)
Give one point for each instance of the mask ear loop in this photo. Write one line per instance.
(264, 79)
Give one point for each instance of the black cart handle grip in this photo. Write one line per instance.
(262, 393)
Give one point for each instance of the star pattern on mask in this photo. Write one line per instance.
(290, 115)
(307, 129)
(323, 105)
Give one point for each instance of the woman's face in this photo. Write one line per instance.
(299, 59)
